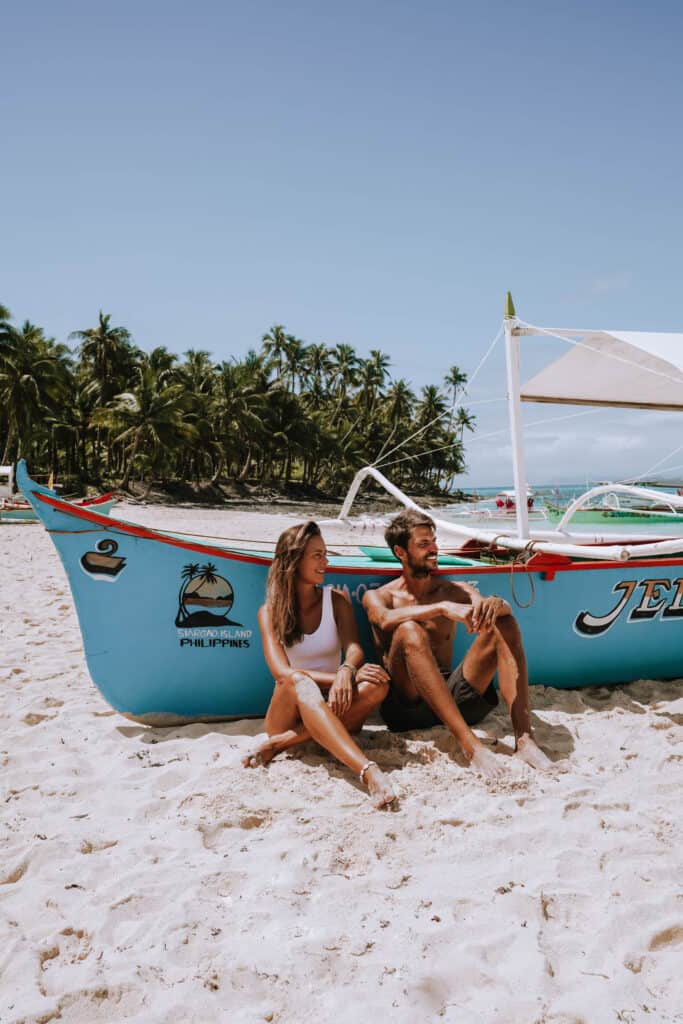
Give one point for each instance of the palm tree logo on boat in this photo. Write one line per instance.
(205, 598)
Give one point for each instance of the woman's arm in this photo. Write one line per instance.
(353, 670)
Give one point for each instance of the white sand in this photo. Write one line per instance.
(145, 876)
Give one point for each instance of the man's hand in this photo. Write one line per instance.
(374, 674)
(459, 613)
(486, 611)
(341, 692)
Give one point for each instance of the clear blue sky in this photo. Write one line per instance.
(377, 173)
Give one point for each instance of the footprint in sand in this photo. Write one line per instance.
(211, 836)
(667, 938)
(71, 946)
(15, 875)
(88, 847)
(32, 718)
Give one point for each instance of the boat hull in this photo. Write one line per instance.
(169, 626)
(617, 516)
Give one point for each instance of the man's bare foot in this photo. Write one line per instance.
(262, 754)
(486, 763)
(529, 752)
(381, 789)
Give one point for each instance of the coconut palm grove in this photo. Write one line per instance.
(102, 411)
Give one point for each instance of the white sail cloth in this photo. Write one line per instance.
(632, 369)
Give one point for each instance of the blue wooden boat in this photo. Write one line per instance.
(169, 622)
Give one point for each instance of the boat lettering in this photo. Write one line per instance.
(357, 593)
(656, 599)
(213, 642)
(212, 637)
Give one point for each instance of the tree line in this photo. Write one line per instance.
(103, 410)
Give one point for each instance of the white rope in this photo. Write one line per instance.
(538, 423)
(420, 455)
(607, 355)
(447, 412)
(483, 360)
(496, 433)
(651, 469)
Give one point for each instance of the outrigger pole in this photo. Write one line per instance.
(515, 413)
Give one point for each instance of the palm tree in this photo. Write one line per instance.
(151, 414)
(318, 364)
(464, 421)
(109, 354)
(456, 380)
(236, 414)
(372, 375)
(344, 371)
(295, 362)
(275, 346)
(162, 362)
(31, 383)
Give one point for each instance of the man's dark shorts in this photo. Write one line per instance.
(400, 715)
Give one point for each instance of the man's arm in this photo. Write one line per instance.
(384, 617)
(485, 609)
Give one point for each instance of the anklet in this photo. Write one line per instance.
(369, 764)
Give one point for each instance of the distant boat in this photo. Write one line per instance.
(16, 509)
(506, 501)
(600, 516)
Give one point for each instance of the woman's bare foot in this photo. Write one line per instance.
(381, 789)
(529, 752)
(486, 763)
(262, 754)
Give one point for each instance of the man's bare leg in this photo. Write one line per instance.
(500, 649)
(413, 668)
(302, 702)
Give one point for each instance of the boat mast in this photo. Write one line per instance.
(515, 412)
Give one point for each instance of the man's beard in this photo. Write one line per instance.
(419, 570)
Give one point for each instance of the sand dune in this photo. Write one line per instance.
(145, 876)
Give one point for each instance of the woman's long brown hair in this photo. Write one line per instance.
(280, 589)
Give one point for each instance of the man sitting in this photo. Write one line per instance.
(414, 620)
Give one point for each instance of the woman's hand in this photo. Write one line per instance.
(340, 696)
(374, 674)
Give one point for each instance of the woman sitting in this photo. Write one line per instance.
(304, 629)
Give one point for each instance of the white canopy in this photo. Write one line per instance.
(628, 369)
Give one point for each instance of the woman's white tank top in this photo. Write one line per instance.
(319, 651)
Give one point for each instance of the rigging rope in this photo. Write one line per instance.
(381, 461)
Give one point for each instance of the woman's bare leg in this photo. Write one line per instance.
(304, 701)
(366, 699)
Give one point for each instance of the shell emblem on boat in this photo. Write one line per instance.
(205, 598)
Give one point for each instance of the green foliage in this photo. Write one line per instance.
(289, 411)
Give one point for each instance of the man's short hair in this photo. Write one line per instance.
(400, 528)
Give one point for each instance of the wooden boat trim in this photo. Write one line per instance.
(542, 563)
